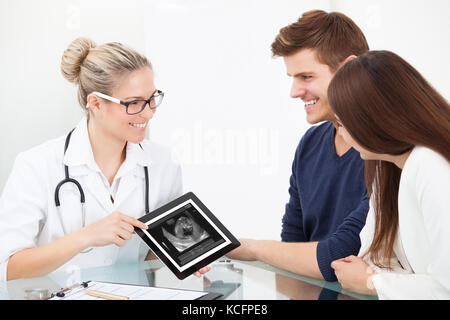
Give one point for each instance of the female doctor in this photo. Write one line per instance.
(74, 200)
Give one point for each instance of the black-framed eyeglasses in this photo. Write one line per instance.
(135, 106)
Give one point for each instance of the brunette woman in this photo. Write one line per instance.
(400, 125)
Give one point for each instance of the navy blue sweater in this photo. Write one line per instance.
(328, 200)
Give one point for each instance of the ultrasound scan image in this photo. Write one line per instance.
(183, 232)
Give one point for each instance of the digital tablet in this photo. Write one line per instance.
(185, 235)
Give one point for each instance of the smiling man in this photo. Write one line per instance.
(328, 202)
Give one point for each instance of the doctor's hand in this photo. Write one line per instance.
(202, 271)
(116, 228)
(354, 274)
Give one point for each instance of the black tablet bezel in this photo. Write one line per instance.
(182, 274)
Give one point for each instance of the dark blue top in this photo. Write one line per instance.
(328, 200)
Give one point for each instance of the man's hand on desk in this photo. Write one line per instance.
(246, 251)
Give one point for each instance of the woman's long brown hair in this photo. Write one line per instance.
(388, 108)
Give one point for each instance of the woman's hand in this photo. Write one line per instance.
(354, 275)
(116, 228)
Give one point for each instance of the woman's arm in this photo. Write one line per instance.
(116, 228)
(425, 201)
(36, 262)
(427, 180)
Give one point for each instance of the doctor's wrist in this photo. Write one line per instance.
(81, 239)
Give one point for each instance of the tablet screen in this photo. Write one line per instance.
(185, 235)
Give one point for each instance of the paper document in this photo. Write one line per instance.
(130, 291)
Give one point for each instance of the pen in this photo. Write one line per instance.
(64, 291)
(104, 295)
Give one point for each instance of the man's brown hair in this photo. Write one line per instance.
(333, 35)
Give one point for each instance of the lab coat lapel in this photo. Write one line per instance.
(79, 151)
(129, 173)
(99, 191)
(93, 186)
(80, 160)
(128, 185)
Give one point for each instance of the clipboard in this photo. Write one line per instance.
(186, 235)
(128, 292)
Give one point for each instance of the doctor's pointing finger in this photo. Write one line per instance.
(116, 228)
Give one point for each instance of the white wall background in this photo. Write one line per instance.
(227, 112)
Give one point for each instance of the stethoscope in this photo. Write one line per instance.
(67, 179)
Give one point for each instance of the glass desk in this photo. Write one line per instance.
(235, 280)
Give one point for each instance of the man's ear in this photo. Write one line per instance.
(351, 57)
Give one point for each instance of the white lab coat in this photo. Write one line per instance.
(421, 265)
(29, 218)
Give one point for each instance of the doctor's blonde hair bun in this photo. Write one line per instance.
(73, 58)
(98, 68)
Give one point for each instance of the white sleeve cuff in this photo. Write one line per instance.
(395, 286)
(3, 270)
